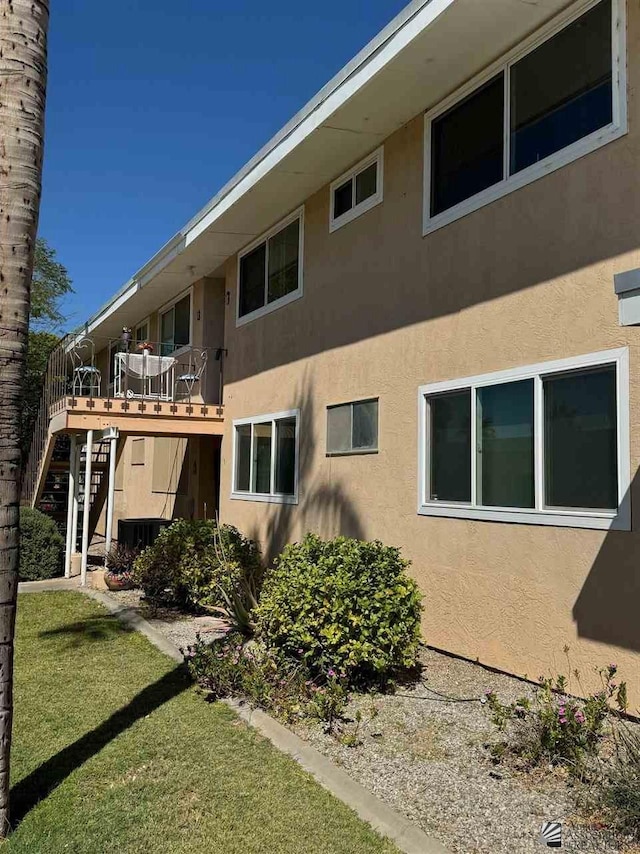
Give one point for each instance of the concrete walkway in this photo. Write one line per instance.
(407, 836)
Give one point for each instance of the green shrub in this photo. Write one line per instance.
(41, 546)
(195, 563)
(556, 727)
(216, 562)
(343, 604)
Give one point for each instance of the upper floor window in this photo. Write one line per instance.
(352, 428)
(270, 270)
(142, 332)
(175, 326)
(265, 458)
(545, 444)
(559, 97)
(357, 191)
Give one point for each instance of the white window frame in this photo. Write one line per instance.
(355, 211)
(167, 307)
(619, 519)
(580, 148)
(354, 451)
(267, 308)
(273, 497)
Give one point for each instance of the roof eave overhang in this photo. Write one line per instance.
(430, 49)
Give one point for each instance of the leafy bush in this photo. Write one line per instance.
(342, 604)
(556, 727)
(41, 546)
(234, 668)
(217, 563)
(197, 564)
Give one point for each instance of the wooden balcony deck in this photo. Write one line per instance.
(146, 417)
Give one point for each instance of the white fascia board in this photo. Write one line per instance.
(114, 305)
(390, 42)
(406, 26)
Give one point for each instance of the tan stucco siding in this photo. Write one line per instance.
(528, 278)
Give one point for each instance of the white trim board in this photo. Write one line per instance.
(619, 519)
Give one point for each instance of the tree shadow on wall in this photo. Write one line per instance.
(323, 504)
(608, 606)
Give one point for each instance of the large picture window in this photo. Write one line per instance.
(266, 458)
(270, 270)
(556, 98)
(542, 444)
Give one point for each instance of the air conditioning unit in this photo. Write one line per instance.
(140, 533)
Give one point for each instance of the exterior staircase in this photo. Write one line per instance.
(46, 479)
(55, 490)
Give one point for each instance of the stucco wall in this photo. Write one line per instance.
(526, 279)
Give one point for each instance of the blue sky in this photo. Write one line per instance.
(153, 106)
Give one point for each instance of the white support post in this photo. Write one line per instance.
(86, 508)
(113, 447)
(76, 501)
(73, 475)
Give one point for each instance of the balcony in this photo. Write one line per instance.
(137, 388)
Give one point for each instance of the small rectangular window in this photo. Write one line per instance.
(581, 449)
(175, 326)
(271, 272)
(283, 262)
(343, 198)
(142, 332)
(468, 147)
(542, 444)
(356, 191)
(266, 458)
(243, 458)
(450, 474)
(285, 456)
(505, 445)
(352, 427)
(262, 458)
(562, 91)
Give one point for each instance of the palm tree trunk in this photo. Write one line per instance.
(23, 75)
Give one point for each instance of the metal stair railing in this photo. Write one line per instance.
(54, 388)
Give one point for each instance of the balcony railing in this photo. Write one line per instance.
(153, 371)
(83, 369)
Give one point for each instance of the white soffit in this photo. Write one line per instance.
(427, 52)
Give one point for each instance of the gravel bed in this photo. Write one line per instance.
(428, 758)
(180, 628)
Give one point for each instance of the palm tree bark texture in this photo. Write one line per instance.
(23, 76)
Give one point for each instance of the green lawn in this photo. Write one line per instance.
(113, 751)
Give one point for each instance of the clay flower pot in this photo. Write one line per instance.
(115, 582)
